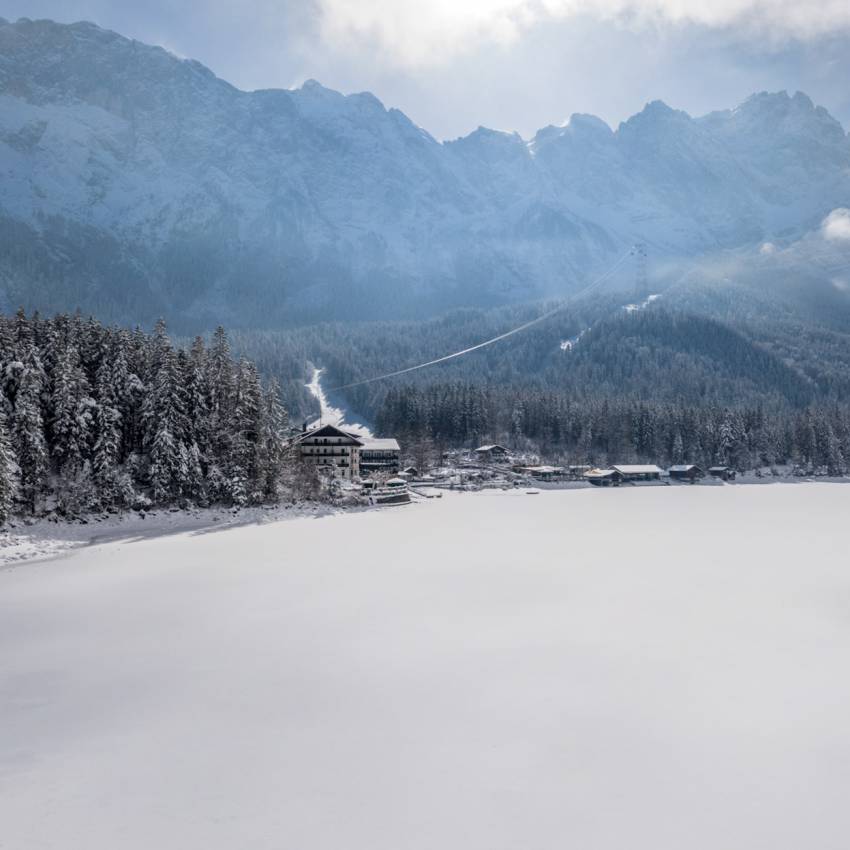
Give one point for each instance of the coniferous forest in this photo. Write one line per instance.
(99, 418)
(96, 418)
(677, 383)
(431, 419)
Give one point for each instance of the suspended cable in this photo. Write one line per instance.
(548, 314)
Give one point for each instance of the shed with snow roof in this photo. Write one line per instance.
(632, 472)
(685, 472)
(603, 477)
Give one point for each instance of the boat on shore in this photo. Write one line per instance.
(394, 491)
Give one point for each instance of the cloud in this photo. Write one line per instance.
(836, 226)
(417, 33)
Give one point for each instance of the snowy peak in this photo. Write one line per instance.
(783, 138)
(655, 113)
(656, 121)
(579, 130)
(48, 63)
(484, 144)
(768, 113)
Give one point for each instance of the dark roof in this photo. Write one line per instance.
(329, 431)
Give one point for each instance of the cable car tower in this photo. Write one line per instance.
(641, 284)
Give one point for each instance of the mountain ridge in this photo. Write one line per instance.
(138, 182)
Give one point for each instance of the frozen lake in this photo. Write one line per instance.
(659, 668)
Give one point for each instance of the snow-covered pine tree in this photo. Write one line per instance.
(8, 473)
(71, 413)
(274, 424)
(27, 430)
(127, 390)
(107, 440)
(244, 464)
(165, 421)
(198, 397)
(677, 451)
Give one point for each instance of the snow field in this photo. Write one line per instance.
(635, 668)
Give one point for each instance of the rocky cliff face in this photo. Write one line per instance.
(135, 184)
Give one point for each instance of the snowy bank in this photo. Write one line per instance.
(26, 540)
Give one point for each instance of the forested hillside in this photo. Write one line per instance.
(686, 377)
(686, 347)
(96, 418)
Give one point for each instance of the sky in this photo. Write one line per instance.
(452, 65)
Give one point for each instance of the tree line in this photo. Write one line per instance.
(431, 419)
(103, 418)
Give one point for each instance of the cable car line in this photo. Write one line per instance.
(541, 318)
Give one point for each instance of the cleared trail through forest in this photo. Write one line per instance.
(328, 413)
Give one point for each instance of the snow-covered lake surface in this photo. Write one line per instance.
(660, 668)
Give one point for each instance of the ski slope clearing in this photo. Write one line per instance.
(659, 668)
(329, 414)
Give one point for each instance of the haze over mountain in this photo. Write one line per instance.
(136, 183)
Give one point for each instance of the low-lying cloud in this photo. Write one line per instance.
(430, 32)
(836, 226)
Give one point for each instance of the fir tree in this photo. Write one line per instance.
(28, 435)
(8, 484)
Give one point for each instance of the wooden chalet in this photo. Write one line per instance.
(603, 477)
(685, 472)
(724, 473)
(492, 453)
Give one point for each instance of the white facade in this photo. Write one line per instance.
(380, 454)
(329, 446)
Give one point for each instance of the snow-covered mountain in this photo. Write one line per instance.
(136, 183)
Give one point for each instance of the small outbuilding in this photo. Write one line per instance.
(632, 472)
(724, 473)
(492, 453)
(543, 473)
(603, 477)
(686, 472)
